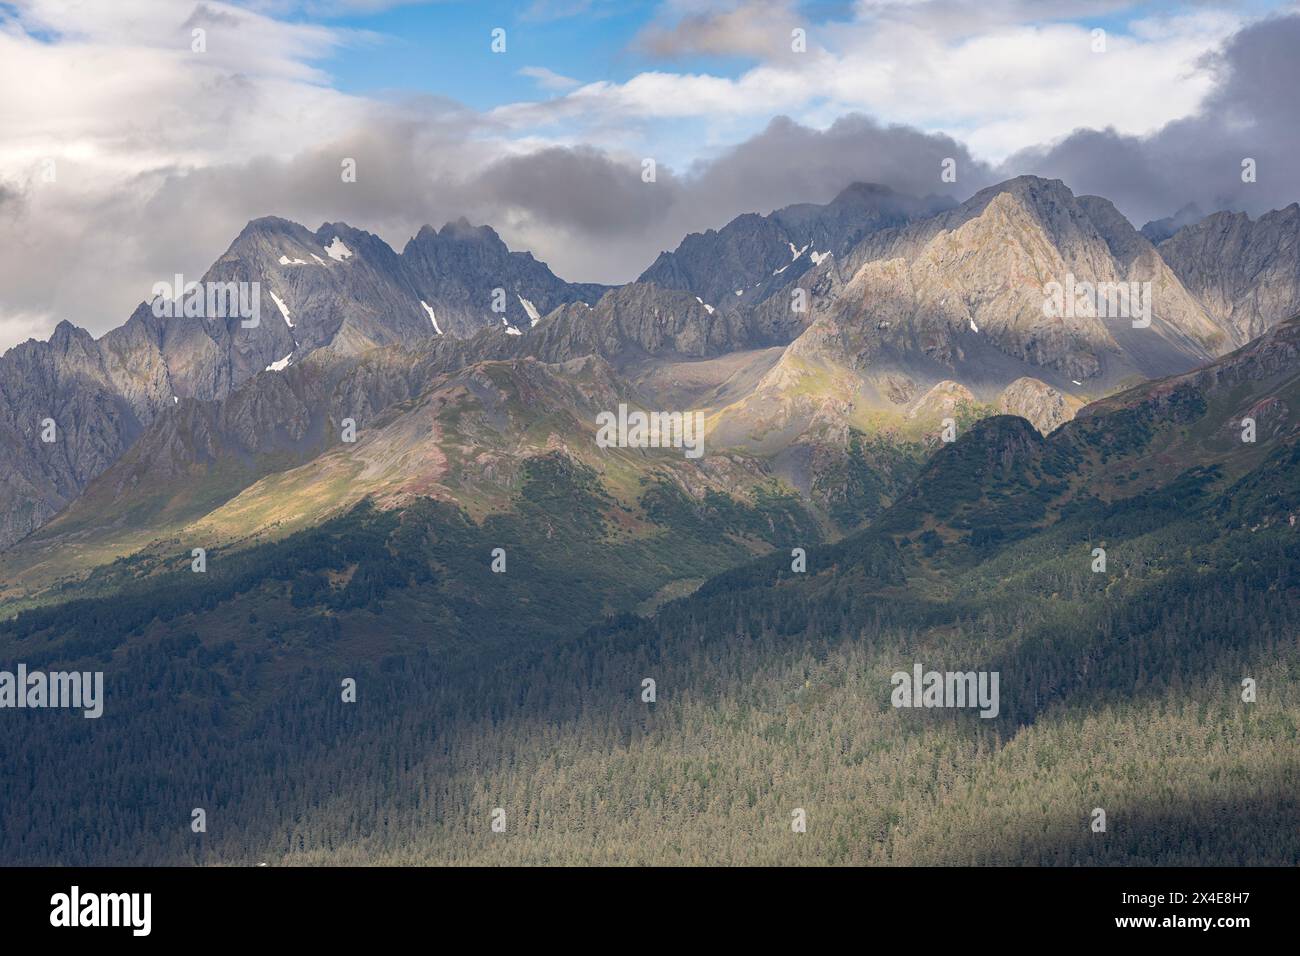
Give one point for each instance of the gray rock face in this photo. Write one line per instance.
(281, 418)
(457, 268)
(339, 289)
(1043, 406)
(1246, 273)
(640, 320)
(630, 324)
(757, 255)
(347, 289)
(98, 397)
(963, 294)
(275, 421)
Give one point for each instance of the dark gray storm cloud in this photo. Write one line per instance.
(578, 189)
(1253, 112)
(586, 211)
(788, 163)
(592, 217)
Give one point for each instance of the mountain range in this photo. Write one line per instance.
(912, 309)
(884, 388)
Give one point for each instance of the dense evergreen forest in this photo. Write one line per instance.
(519, 697)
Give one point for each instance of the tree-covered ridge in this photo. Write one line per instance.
(566, 559)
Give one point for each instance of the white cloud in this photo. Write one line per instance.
(999, 89)
(18, 327)
(549, 79)
(98, 119)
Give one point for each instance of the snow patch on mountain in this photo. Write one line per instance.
(432, 318)
(531, 309)
(337, 251)
(280, 365)
(283, 309)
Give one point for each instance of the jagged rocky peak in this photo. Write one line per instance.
(467, 278)
(749, 259)
(270, 238)
(991, 273)
(1071, 222)
(1246, 272)
(275, 229)
(462, 230)
(1035, 191)
(67, 336)
(342, 242)
(874, 198)
(638, 320)
(458, 241)
(1158, 230)
(1062, 215)
(273, 226)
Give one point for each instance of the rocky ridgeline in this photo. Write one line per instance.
(874, 300)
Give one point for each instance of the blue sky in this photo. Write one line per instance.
(444, 49)
(409, 48)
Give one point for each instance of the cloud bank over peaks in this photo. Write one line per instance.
(157, 167)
